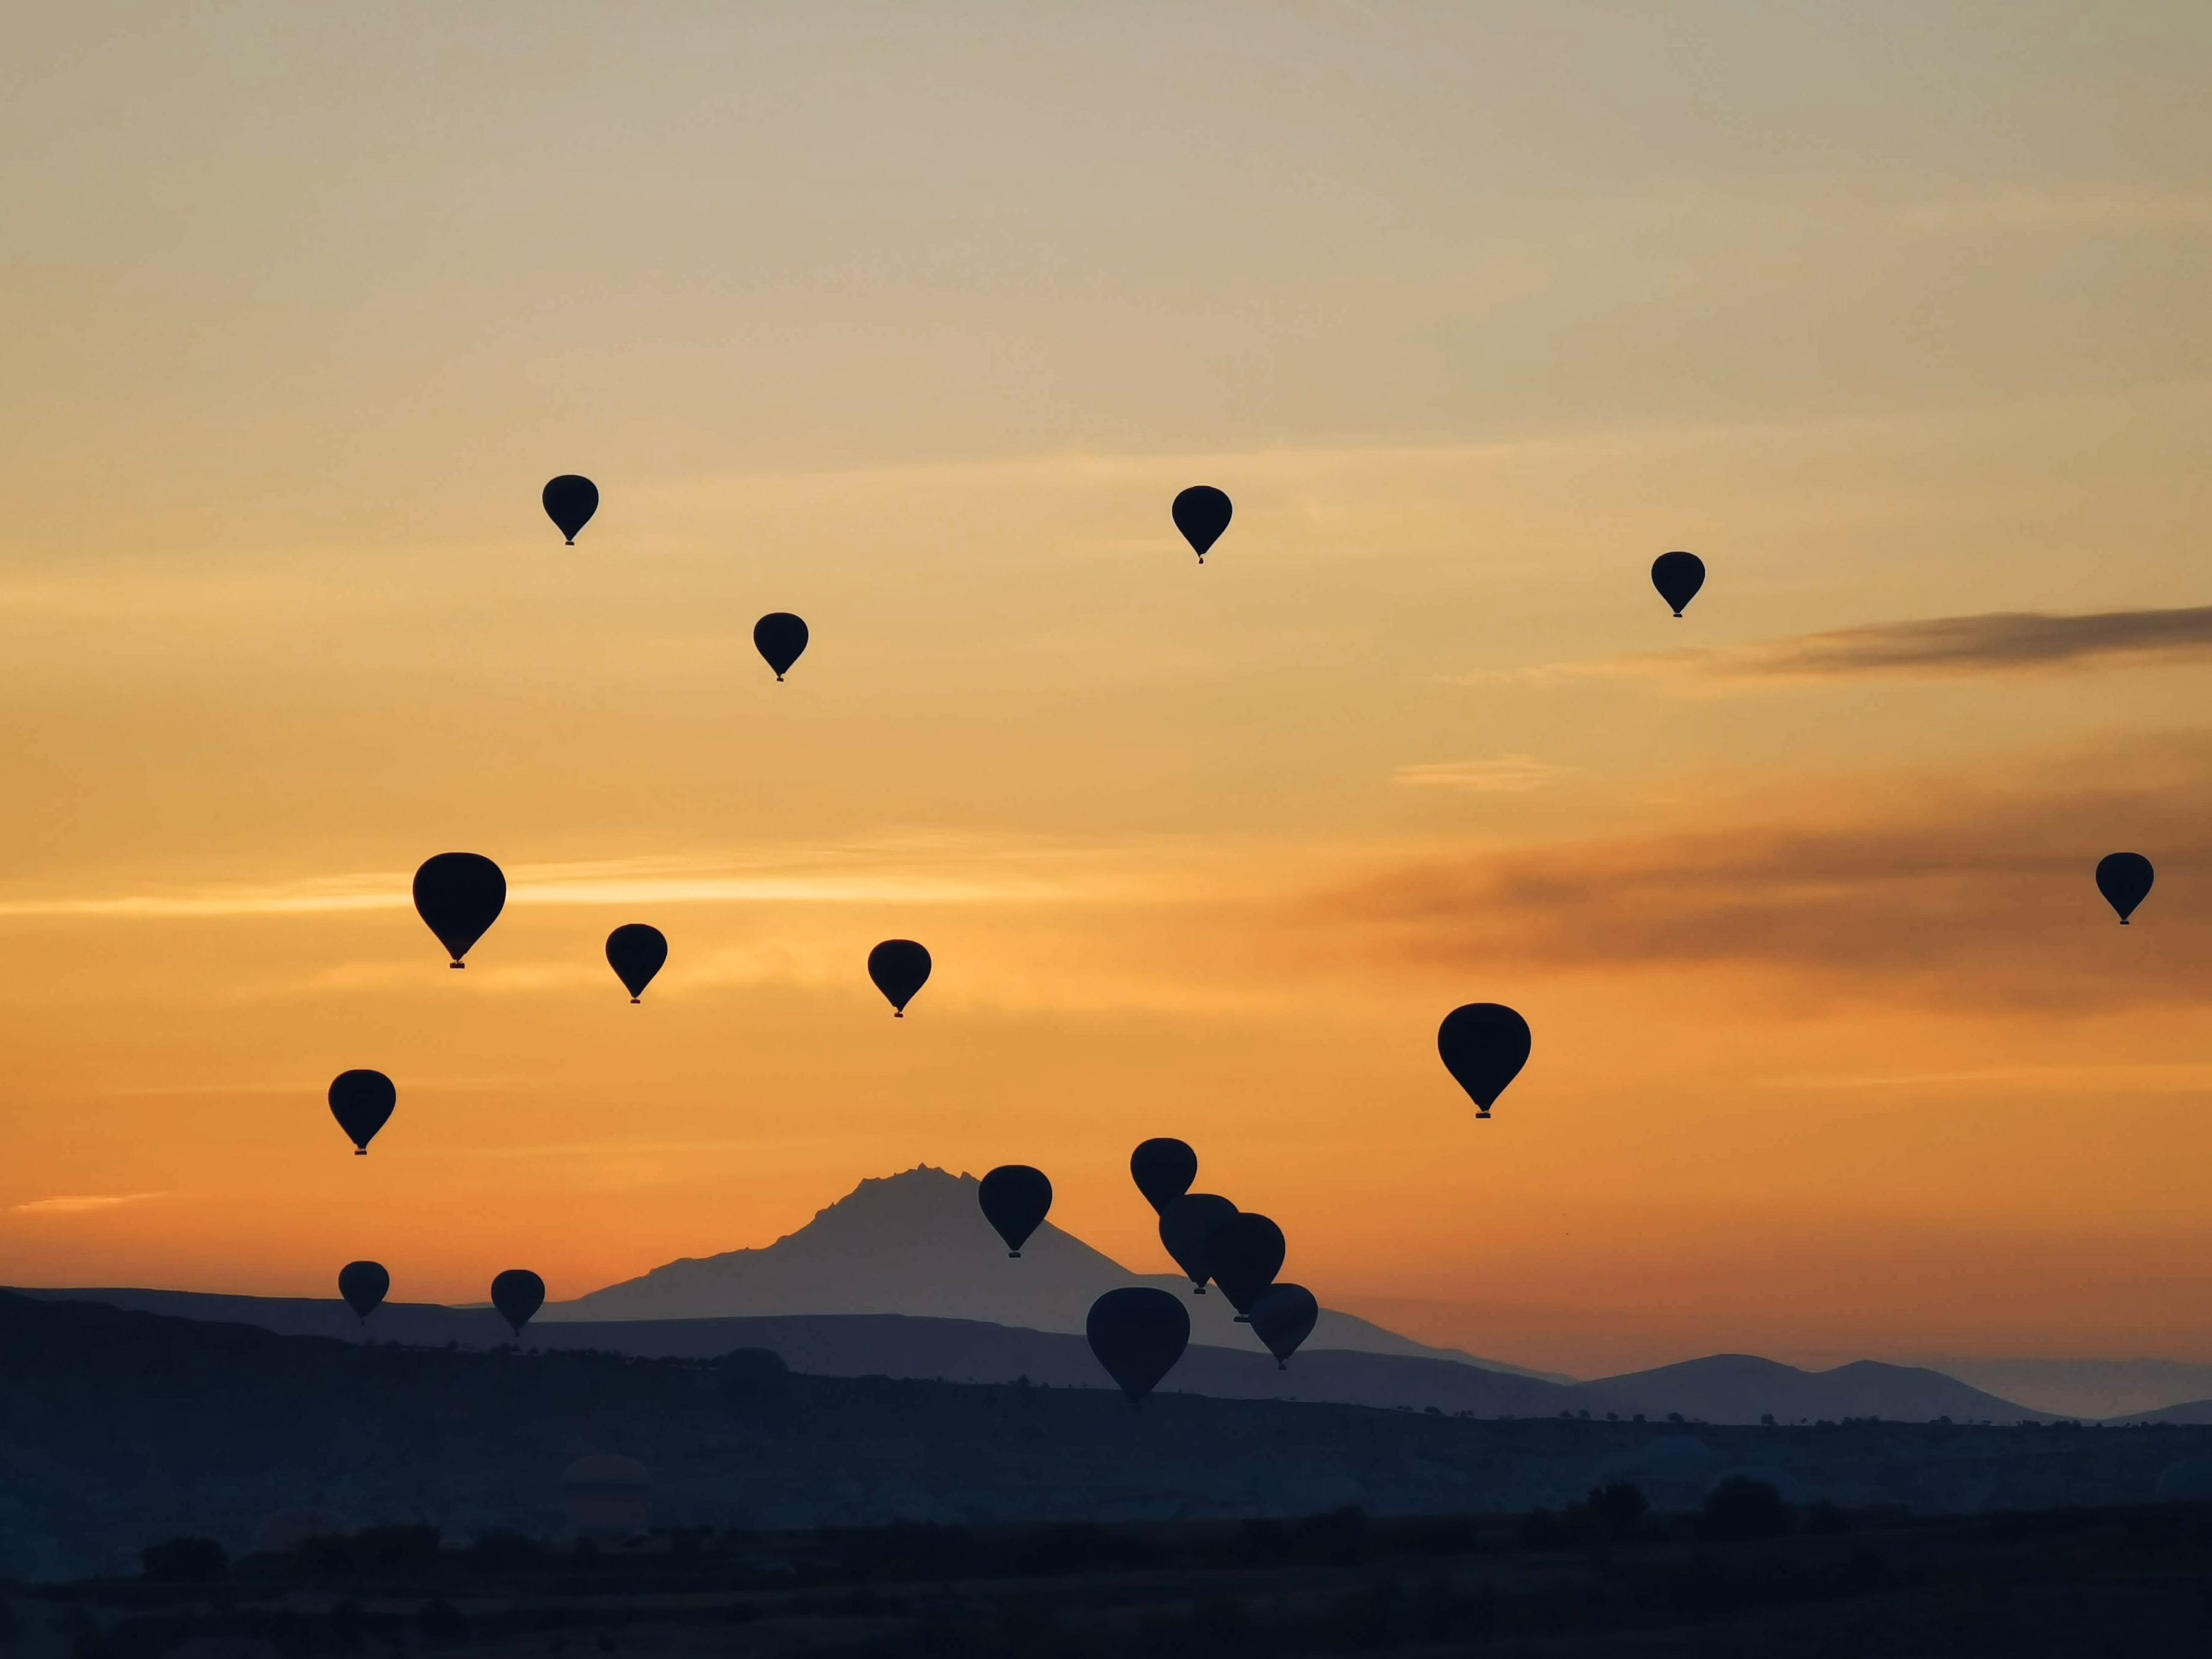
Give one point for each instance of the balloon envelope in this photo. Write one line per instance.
(1201, 513)
(1187, 1232)
(362, 1284)
(1163, 1168)
(518, 1293)
(459, 895)
(636, 951)
(1484, 1046)
(900, 968)
(1138, 1333)
(1015, 1198)
(361, 1102)
(1678, 576)
(570, 500)
(2124, 879)
(1283, 1317)
(779, 637)
(1245, 1252)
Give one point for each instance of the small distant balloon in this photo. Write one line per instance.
(363, 1284)
(570, 500)
(1015, 1199)
(900, 968)
(1201, 513)
(459, 895)
(361, 1102)
(1245, 1252)
(1163, 1168)
(1282, 1318)
(1138, 1333)
(2124, 879)
(1484, 1046)
(779, 637)
(518, 1294)
(1187, 1228)
(1678, 576)
(636, 951)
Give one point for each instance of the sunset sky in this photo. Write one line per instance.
(913, 320)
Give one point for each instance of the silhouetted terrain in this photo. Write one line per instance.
(1741, 1388)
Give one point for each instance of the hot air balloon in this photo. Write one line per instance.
(570, 500)
(1484, 1045)
(2124, 879)
(1201, 513)
(900, 968)
(518, 1294)
(635, 952)
(361, 1102)
(1163, 1169)
(779, 637)
(1138, 1333)
(362, 1284)
(1282, 1318)
(1187, 1227)
(1245, 1252)
(1015, 1198)
(1678, 576)
(460, 895)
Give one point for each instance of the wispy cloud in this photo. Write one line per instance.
(1506, 774)
(78, 1204)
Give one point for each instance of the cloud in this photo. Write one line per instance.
(79, 1203)
(1507, 774)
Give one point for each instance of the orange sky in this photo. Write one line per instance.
(914, 326)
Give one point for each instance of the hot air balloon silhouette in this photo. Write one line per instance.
(900, 968)
(1015, 1199)
(1282, 1318)
(1245, 1253)
(1163, 1168)
(363, 1285)
(1201, 513)
(779, 637)
(518, 1294)
(2124, 879)
(1484, 1046)
(1138, 1333)
(635, 952)
(459, 896)
(361, 1102)
(1678, 576)
(570, 500)
(1187, 1228)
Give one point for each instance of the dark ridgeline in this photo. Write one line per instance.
(2124, 879)
(569, 501)
(364, 1284)
(1201, 513)
(1163, 1168)
(459, 895)
(1678, 576)
(1015, 1199)
(779, 637)
(1138, 1333)
(900, 968)
(518, 1294)
(1282, 1317)
(1244, 1254)
(1187, 1228)
(1484, 1045)
(636, 951)
(361, 1101)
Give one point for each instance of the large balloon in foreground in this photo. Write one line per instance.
(362, 1284)
(361, 1102)
(1163, 1168)
(1678, 576)
(460, 895)
(900, 968)
(1484, 1046)
(570, 500)
(1245, 1252)
(2124, 879)
(1138, 1333)
(1283, 1317)
(636, 951)
(1201, 513)
(518, 1293)
(1187, 1228)
(1015, 1198)
(779, 637)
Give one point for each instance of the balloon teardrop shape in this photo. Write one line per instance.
(1187, 1229)
(1282, 1318)
(1484, 1046)
(518, 1294)
(1201, 513)
(900, 968)
(361, 1101)
(1015, 1199)
(570, 500)
(1245, 1252)
(635, 952)
(1138, 1333)
(2124, 879)
(1163, 1168)
(363, 1285)
(1678, 576)
(779, 637)
(459, 895)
